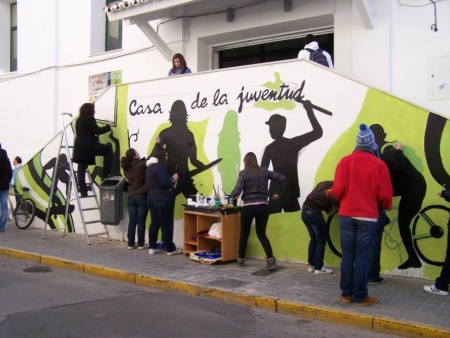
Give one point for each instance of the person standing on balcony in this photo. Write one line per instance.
(314, 53)
(179, 65)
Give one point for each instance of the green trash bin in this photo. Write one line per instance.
(111, 200)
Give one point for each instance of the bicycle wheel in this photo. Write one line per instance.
(429, 234)
(25, 214)
(333, 233)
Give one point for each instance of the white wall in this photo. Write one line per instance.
(413, 43)
(56, 60)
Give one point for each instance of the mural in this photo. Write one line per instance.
(299, 119)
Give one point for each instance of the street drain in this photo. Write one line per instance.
(227, 283)
(38, 269)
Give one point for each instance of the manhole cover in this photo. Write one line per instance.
(38, 269)
(227, 283)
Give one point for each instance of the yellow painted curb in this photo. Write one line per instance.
(110, 273)
(62, 263)
(152, 282)
(228, 296)
(268, 304)
(183, 287)
(406, 329)
(325, 314)
(376, 324)
(21, 255)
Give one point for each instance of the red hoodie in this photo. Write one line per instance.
(362, 185)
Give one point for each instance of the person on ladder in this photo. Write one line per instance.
(87, 146)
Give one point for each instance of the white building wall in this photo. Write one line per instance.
(58, 44)
(413, 43)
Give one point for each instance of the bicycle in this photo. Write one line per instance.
(24, 211)
(428, 230)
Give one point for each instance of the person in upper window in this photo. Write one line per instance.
(179, 65)
(313, 52)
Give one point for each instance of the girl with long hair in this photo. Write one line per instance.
(179, 65)
(253, 184)
(134, 169)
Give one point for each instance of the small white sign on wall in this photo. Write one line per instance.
(439, 74)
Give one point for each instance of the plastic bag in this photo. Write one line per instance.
(215, 230)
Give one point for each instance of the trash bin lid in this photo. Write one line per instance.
(113, 181)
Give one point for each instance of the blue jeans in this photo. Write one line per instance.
(162, 218)
(356, 241)
(443, 280)
(375, 254)
(137, 213)
(260, 213)
(4, 208)
(317, 229)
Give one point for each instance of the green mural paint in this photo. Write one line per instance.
(395, 117)
(228, 149)
(270, 105)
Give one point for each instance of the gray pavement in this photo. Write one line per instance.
(404, 308)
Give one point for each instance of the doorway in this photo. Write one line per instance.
(268, 51)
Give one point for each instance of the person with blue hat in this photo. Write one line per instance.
(362, 185)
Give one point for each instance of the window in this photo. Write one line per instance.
(13, 37)
(113, 36)
(268, 51)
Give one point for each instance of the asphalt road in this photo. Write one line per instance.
(39, 301)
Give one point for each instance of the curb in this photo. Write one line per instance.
(348, 318)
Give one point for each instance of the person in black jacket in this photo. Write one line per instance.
(252, 183)
(441, 285)
(316, 202)
(160, 200)
(86, 145)
(5, 180)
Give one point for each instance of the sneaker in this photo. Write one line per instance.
(177, 251)
(375, 281)
(141, 247)
(368, 301)
(322, 271)
(153, 251)
(433, 289)
(311, 268)
(132, 247)
(346, 299)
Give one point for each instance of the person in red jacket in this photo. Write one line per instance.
(362, 185)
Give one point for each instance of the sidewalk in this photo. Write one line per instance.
(404, 308)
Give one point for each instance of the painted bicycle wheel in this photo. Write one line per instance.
(429, 234)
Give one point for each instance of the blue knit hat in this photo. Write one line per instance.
(365, 138)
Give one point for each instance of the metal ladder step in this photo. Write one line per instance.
(73, 184)
(92, 222)
(89, 209)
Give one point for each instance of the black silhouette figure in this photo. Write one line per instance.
(181, 148)
(283, 153)
(61, 172)
(409, 184)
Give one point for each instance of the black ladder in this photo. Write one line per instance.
(88, 204)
